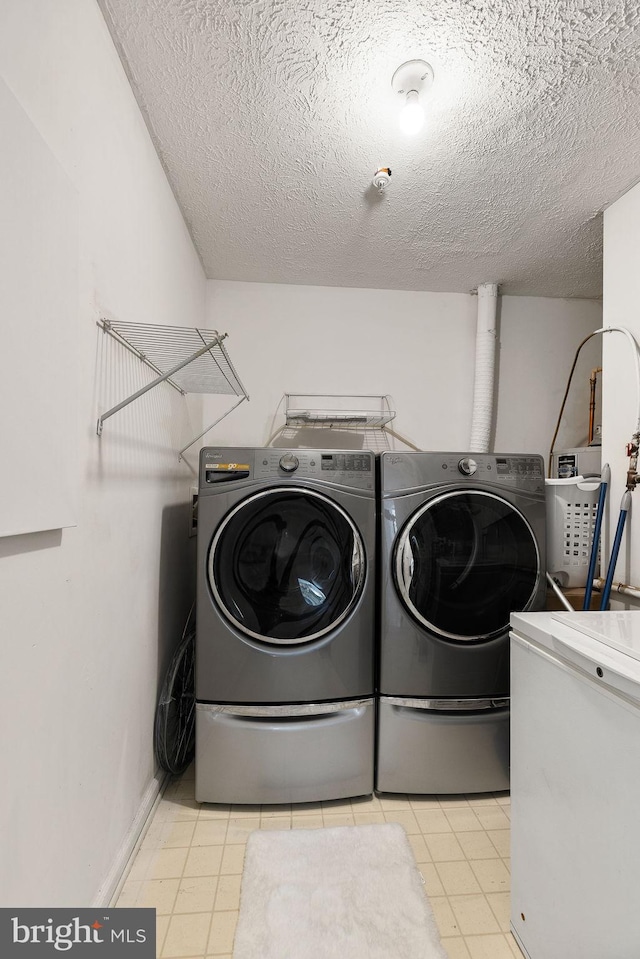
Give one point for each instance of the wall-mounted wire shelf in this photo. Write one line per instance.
(315, 420)
(190, 360)
(337, 412)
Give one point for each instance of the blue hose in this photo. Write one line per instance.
(624, 509)
(605, 479)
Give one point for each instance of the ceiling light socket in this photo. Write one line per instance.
(381, 178)
(413, 75)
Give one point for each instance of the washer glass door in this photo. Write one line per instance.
(464, 562)
(286, 565)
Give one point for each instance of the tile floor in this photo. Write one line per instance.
(189, 865)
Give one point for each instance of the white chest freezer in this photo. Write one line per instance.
(575, 784)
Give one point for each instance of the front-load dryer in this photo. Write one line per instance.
(461, 548)
(285, 625)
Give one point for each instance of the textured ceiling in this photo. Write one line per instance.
(271, 116)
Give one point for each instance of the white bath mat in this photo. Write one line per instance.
(349, 892)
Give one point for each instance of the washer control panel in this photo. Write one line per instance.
(337, 467)
(467, 466)
(289, 463)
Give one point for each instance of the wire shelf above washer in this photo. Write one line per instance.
(191, 360)
(314, 410)
(320, 420)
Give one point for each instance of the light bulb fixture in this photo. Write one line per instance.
(411, 81)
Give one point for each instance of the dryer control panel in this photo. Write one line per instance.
(413, 470)
(220, 465)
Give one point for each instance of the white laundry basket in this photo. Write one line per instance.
(571, 514)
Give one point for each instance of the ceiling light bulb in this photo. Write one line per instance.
(411, 117)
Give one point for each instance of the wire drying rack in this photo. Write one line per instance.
(190, 360)
(316, 420)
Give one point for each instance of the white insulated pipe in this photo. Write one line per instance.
(486, 334)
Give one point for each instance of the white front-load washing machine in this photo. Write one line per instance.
(285, 625)
(462, 547)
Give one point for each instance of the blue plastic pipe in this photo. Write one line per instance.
(605, 479)
(625, 505)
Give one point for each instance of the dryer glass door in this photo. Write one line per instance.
(286, 565)
(464, 562)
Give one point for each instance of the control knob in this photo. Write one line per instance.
(467, 466)
(289, 463)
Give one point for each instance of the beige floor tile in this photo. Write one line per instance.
(158, 894)
(455, 948)
(187, 935)
(477, 845)
(451, 801)
(153, 835)
(223, 929)
(277, 822)
(424, 802)
(492, 817)
(203, 861)
(162, 924)
(196, 894)
(420, 850)
(488, 947)
(331, 819)
(210, 832)
(129, 893)
(141, 864)
(302, 822)
(432, 882)
(366, 804)
(167, 863)
(457, 878)
(444, 916)
(503, 798)
(462, 819)
(405, 818)
(176, 810)
(444, 847)
(501, 839)
(175, 834)
(474, 915)
(232, 860)
(492, 874)
(481, 799)
(271, 812)
(433, 821)
(239, 830)
(500, 903)
(395, 801)
(245, 812)
(214, 811)
(228, 894)
(369, 818)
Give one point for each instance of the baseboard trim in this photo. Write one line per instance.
(110, 889)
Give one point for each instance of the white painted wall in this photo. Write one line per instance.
(417, 347)
(621, 401)
(89, 615)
